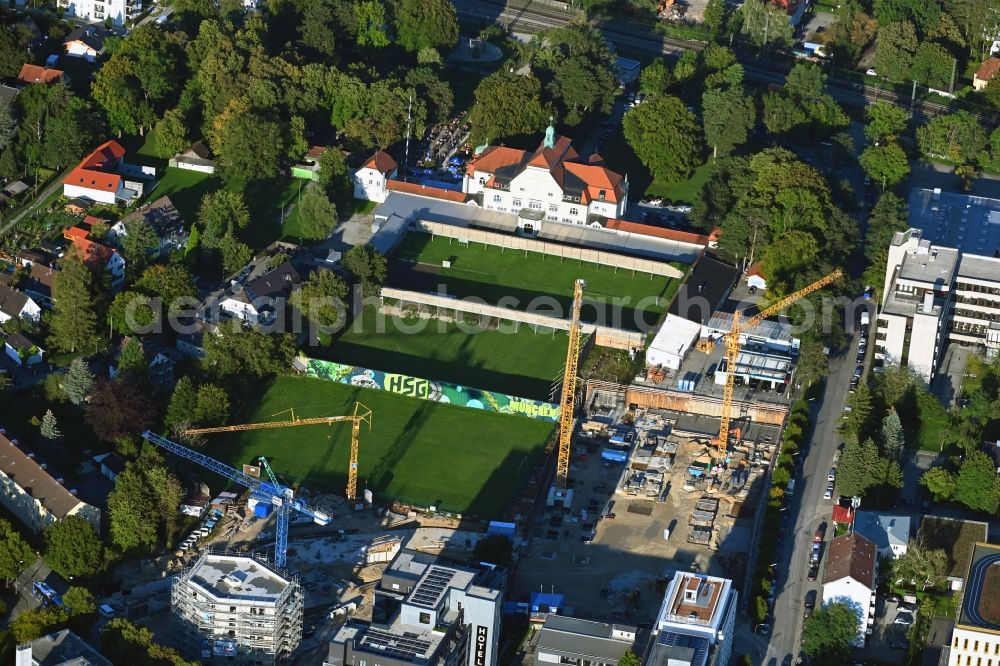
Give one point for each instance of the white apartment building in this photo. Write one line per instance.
(551, 184)
(850, 578)
(696, 622)
(975, 640)
(237, 610)
(118, 11)
(933, 295)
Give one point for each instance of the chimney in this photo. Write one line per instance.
(934, 254)
(928, 300)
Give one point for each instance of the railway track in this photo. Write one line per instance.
(532, 17)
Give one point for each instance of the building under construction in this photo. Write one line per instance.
(238, 610)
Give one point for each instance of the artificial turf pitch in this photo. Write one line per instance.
(493, 274)
(418, 452)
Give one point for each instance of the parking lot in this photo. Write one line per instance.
(887, 643)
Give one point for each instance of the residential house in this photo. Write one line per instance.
(63, 648)
(190, 340)
(551, 184)
(36, 494)
(97, 254)
(38, 284)
(308, 167)
(31, 29)
(15, 188)
(15, 304)
(196, 158)
(84, 41)
(105, 177)
(28, 258)
(372, 177)
(850, 578)
(755, 276)
(31, 74)
(78, 206)
(569, 640)
(165, 220)
(160, 361)
(890, 534)
(23, 350)
(985, 73)
(794, 8)
(111, 464)
(119, 11)
(262, 300)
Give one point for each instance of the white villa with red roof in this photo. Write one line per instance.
(372, 178)
(551, 184)
(105, 177)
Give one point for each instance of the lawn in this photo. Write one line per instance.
(498, 276)
(622, 159)
(455, 458)
(267, 200)
(521, 363)
(932, 432)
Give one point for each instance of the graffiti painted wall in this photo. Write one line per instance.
(427, 389)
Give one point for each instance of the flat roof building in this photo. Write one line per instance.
(976, 636)
(63, 648)
(569, 640)
(236, 609)
(427, 611)
(695, 623)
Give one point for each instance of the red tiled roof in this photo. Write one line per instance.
(425, 191)
(92, 252)
(37, 74)
(597, 178)
(842, 514)
(547, 158)
(91, 173)
(756, 269)
(988, 69)
(74, 233)
(657, 232)
(851, 555)
(494, 158)
(381, 161)
(315, 151)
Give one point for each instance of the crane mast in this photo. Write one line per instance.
(732, 342)
(362, 415)
(568, 398)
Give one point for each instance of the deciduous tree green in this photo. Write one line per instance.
(72, 548)
(665, 136)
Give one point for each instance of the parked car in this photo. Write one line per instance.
(829, 492)
(899, 645)
(904, 619)
(894, 598)
(813, 572)
(832, 476)
(871, 72)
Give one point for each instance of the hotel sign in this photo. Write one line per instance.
(482, 634)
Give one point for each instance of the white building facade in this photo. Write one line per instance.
(550, 184)
(371, 179)
(696, 621)
(850, 578)
(119, 11)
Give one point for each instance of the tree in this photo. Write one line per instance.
(829, 632)
(131, 312)
(8, 125)
(438, 93)
(629, 659)
(38, 622)
(79, 381)
(137, 509)
(250, 146)
(222, 213)
(132, 361)
(764, 23)
(924, 13)
(13, 53)
(782, 113)
(507, 106)
(958, 137)
(895, 45)
(654, 78)
(79, 601)
(714, 16)
(892, 435)
(323, 298)
(212, 405)
(920, 567)
(119, 409)
(977, 485)
(316, 30)
(183, 405)
(805, 82)
(171, 134)
(991, 92)
(368, 267)
(939, 482)
(665, 136)
(424, 24)
(857, 471)
(49, 428)
(728, 116)
(851, 33)
(139, 242)
(369, 18)
(235, 255)
(885, 163)
(127, 643)
(74, 323)
(932, 65)
(885, 121)
(317, 214)
(246, 353)
(117, 89)
(72, 548)
(334, 175)
(15, 553)
(172, 283)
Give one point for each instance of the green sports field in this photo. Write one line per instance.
(456, 458)
(493, 274)
(522, 362)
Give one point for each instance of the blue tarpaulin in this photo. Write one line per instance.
(614, 455)
(545, 602)
(499, 528)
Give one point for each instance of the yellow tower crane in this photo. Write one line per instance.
(362, 415)
(568, 399)
(732, 342)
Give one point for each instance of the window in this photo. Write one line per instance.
(517, 203)
(425, 618)
(496, 198)
(521, 189)
(553, 208)
(574, 211)
(535, 205)
(600, 195)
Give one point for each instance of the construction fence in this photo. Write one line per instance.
(574, 253)
(433, 306)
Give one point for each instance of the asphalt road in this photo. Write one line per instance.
(809, 509)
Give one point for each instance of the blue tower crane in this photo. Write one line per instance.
(281, 496)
